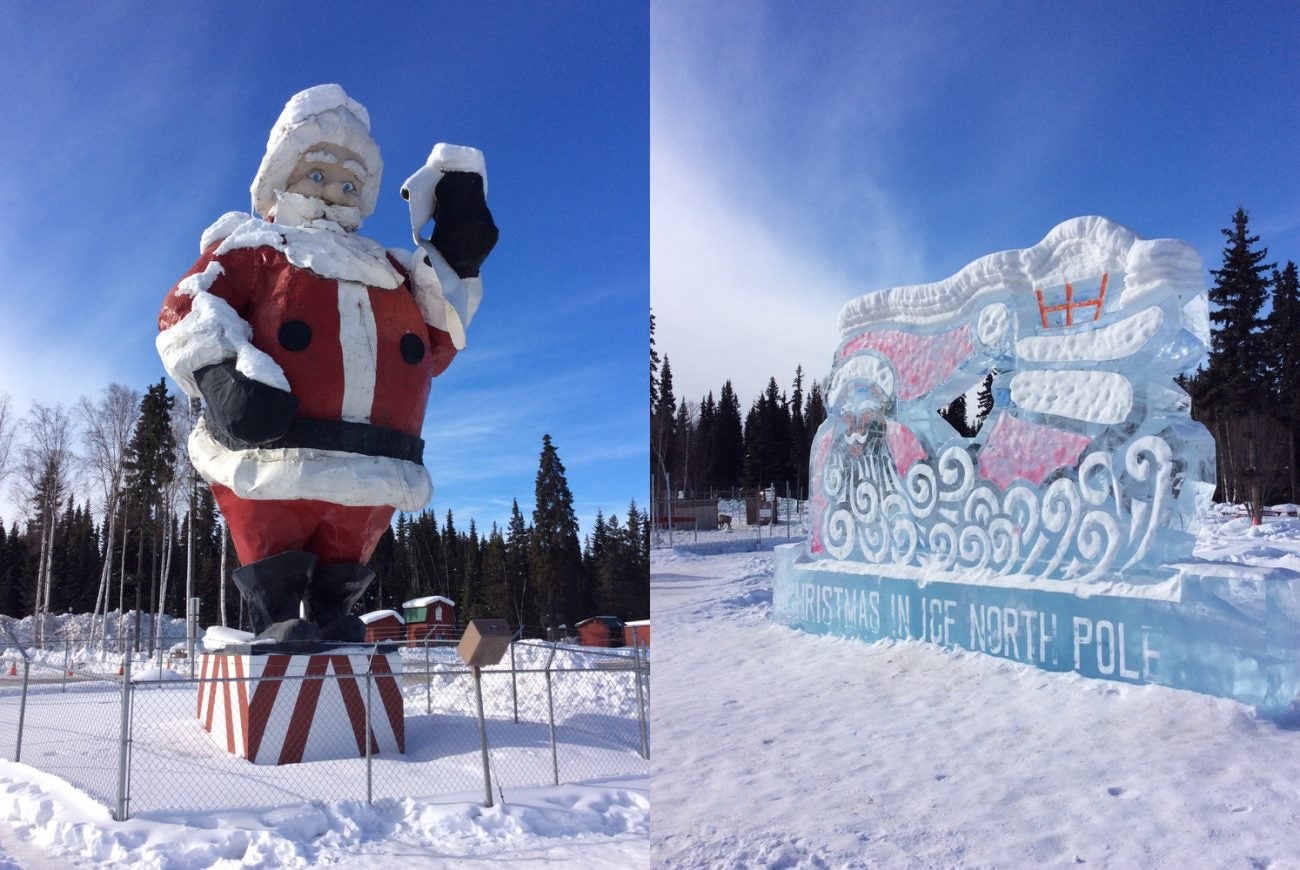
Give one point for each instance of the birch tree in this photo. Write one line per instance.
(106, 430)
(46, 467)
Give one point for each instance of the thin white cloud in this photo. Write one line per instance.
(770, 206)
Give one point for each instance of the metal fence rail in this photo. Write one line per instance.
(552, 714)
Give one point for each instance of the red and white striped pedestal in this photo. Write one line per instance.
(282, 709)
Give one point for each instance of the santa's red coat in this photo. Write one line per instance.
(350, 352)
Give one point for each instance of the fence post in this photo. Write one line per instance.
(482, 734)
(370, 666)
(122, 755)
(550, 714)
(640, 702)
(22, 709)
(428, 679)
(514, 680)
(66, 642)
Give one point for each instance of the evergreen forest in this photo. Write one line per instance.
(111, 505)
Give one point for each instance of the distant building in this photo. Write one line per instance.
(636, 633)
(430, 618)
(384, 625)
(600, 631)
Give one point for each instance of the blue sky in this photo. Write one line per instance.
(129, 127)
(800, 160)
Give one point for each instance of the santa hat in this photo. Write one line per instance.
(324, 113)
(864, 375)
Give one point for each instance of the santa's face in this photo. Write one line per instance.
(324, 173)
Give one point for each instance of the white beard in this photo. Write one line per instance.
(297, 210)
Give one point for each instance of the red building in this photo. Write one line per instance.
(384, 625)
(431, 618)
(637, 633)
(600, 631)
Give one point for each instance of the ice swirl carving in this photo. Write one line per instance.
(945, 517)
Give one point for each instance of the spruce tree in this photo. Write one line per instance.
(150, 462)
(637, 589)
(453, 560)
(555, 557)
(496, 588)
(611, 571)
(662, 432)
(729, 441)
(705, 436)
(816, 413)
(654, 367)
(684, 449)
(1231, 393)
(379, 594)
(1283, 331)
(519, 586)
(797, 458)
(1238, 356)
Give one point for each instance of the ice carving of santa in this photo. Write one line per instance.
(313, 349)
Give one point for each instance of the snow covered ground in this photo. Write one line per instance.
(776, 748)
(193, 806)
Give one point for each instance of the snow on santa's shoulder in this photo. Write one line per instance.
(320, 247)
(427, 600)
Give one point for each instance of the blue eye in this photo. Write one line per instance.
(348, 187)
(316, 175)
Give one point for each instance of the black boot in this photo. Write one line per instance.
(273, 588)
(333, 591)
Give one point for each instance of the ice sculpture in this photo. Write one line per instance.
(1061, 533)
(1088, 467)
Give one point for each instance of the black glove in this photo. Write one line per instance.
(248, 413)
(463, 231)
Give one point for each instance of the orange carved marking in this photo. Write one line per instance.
(1070, 306)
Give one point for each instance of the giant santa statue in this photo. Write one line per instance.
(313, 348)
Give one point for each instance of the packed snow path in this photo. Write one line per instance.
(776, 748)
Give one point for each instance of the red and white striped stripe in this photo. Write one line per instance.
(252, 711)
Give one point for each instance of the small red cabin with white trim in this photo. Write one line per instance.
(432, 617)
(637, 633)
(384, 625)
(600, 631)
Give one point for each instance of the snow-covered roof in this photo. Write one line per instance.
(427, 600)
(605, 619)
(637, 623)
(376, 615)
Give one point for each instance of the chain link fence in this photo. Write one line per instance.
(137, 742)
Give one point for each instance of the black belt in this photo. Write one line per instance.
(342, 436)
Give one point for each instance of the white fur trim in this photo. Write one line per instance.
(324, 113)
(297, 473)
(419, 187)
(446, 300)
(210, 333)
(200, 282)
(359, 337)
(321, 247)
(222, 227)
